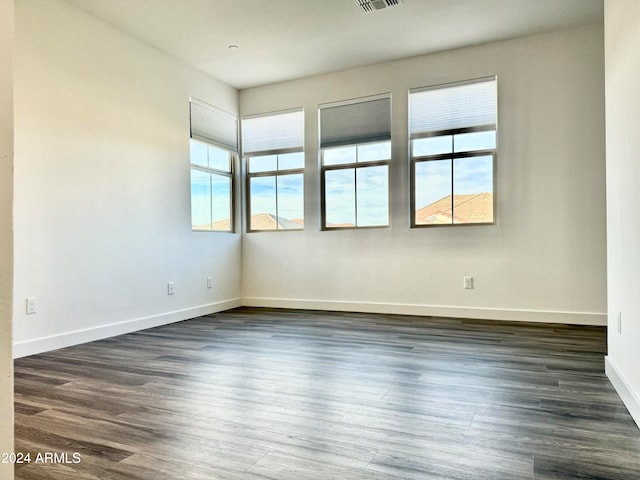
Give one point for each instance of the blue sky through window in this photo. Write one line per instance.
(471, 175)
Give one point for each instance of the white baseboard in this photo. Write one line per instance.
(67, 339)
(575, 318)
(630, 399)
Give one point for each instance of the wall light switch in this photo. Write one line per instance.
(209, 282)
(171, 288)
(468, 282)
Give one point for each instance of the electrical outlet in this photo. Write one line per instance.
(620, 322)
(209, 282)
(468, 282)
(32, 305)
(171, 288)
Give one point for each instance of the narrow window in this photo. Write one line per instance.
(273, 149)
(453, 153)
(355, 150)
(213, 148)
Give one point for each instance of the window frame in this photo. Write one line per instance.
(213, 127)
(452, 156)
(354, 122)
(286, 136)
(271, 173)
(353, 165)
(230, 174)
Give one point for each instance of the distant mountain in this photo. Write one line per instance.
(266, 221)
(259, 221)
(471, 208)
(340, 225)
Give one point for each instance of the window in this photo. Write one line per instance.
(355, 146)
(274, 155)
(453, 153)
(214, 144)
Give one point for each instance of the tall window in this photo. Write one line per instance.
(355, 146)
(214, 145)
(274, 154)
(453, 153)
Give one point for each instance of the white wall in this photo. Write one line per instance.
(622, 67)
(6, 234)
(546, 258)
(102, 212)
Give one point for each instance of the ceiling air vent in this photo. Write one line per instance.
(368, 6)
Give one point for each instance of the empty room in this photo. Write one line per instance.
(337, 239)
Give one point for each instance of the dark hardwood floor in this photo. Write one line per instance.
(254, 394)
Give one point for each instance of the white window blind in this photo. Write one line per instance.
(273, 132)
(358, 121)
(212, 125)
(453, 106)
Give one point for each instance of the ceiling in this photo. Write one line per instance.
(286, 39)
